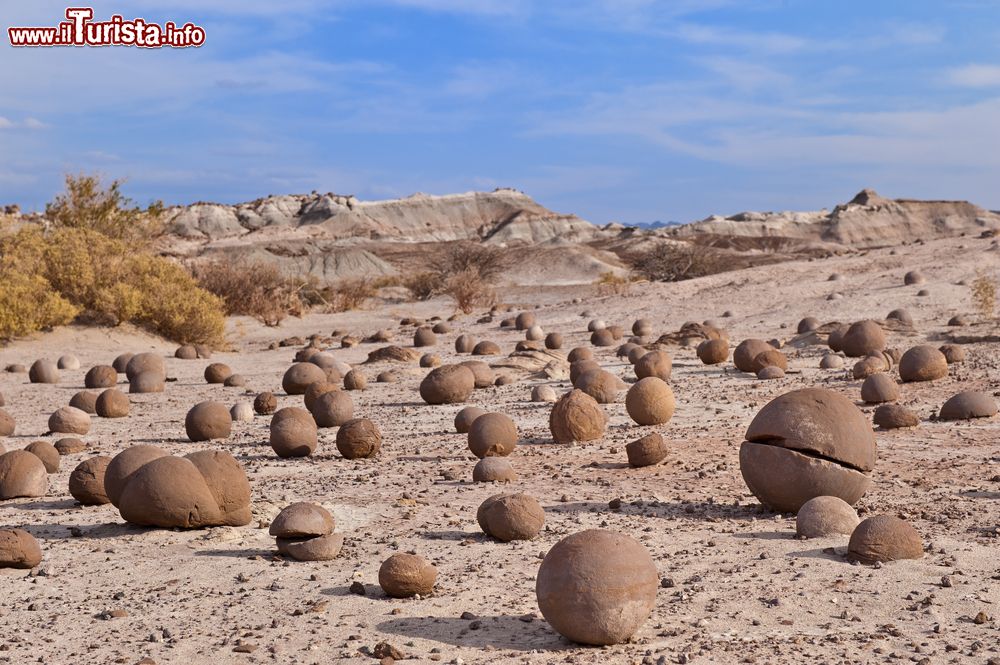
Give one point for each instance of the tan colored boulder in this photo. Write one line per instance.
(967, 405)
(208, 420)
(923, 363)
(359, 439)
(293, 432)
(112, 403)
(69, 420)
(508, 517)
(494, 470)
(465, 418)
(300, 376)
(448, 384)
(825, 516)
(863, 338)
(647, 451)
(101, 376)
(86, 482)
(302, 520)
(492, 435)
(577, 417)
(650, 401)
(879, 388)
(18, 549)
(407, 575)
(45, 452)
(884, 538)
(22, 475)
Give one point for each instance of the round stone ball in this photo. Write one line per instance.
(19, 549)
(868, 366)
(241, 412)
(895, 416)
(441, 328)
(482, 373)
(318, 548)
(602, 337)
(448, 384)
(68, 361)
(486, 348)
(824, 516)
(492, 435)
(217, 373)
(508, 517)
(769, 358)
(493, 470)
(300, 376)
(831, 361)
(235, 381)
(953, 353)
(112, 403)
(69, 420)
(355, 380)
(359, 438)
(770, 372)
(464, 344)
(524, 321)
(577, 417)
(713, 351)
(406, 575)
(647, 451)
(7, 424)
(47, 453)
(596, 324)
(654, 363)
(70, 446)
(22, 475)
(302, 520)
(914, 277)
(317, 390)
(146, 382)
(465, 418)
(333, 409)
(85, 400)
(650, 401)
(863, 338)
(553, 341)
(186, 352)
(597, 587)
(86, 482)
(883, 538)
(634, 352)
(293, 432)
(879, 388)
(544, 394)
(265, 404)
(142, 363)
(900, 315)
(580, 353)
(120, 363)
(967, 405)
(101, 376)
(808, 324)
(642, 327)
(923, 363)
(430, 360)
(581, 367)
(835, 338)
(424, 337)
(208, 420)
(601, 385)
(43, 371)
(534, 333)
(807, 443)
(746, 351)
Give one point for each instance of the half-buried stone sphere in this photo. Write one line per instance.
(447, 384)
(508, 517)
(486, 348)
(18, 549)
(241, 412)
(492, 435)
(359, 439)
(208, 420)
(884, 538)
(835, 338)
(824, 516)
(923, 363)
(101, 376)
(863, 338)
(293, 432)
(70, 446)
(879, 388)
(769, 358)
(300, 376)
(7, 423)
(577, 417)
(186, 352)
(602, 337)
(68, 361)
(406, 575)
(580, 353)
(302, 520)
(465, 418)
(217, 373)
(43, 370)
(22, 475)
(601, 385)
(146, 382)
(355, 380)
(121, 362)
(807, 443)
(318, 548)
(47, 453)
(953, 353)
(524, 320)
(86, 482)
(145, 362)
(597, 587)
(807, 324)
(967, 405)
(464, 344)
(69, 420)
(424, 337)
(713, 351)
(650, 401)
(112, 403)
(493, 470)
(647, 451)
(654, 363)
(746, 351)
(85, 400)
(895, 416)
(770, 372)
(642, 327)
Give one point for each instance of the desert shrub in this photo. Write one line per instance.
(675, 262)
(466, 256)
(424, 285)
(609, 284)
(254, 289)
(984, 295)
(88, 204)
(28, 303)
(349, 294)
(469, 289)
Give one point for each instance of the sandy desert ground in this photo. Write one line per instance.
(737, 586)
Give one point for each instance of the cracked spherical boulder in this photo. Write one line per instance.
(601, 385)
(884, 538)
(895, 416)
(293, 432)
(7, 423)
(208, 420)
(650, 401)
(186, 352)
(713, 351)
(333, 409)
(101, 376)
(863, 338)
(86, 482)
(217, 373)
(43, 370)
(464, 344)
(300, 376)
(69, 420)
(508, 517)
(317, 548)
(807, 443)
(486, 348)
(22, 475)
(241, 412)
(492, 435)
(141, 363)
(483, 375)
(302, 520)
(406, 575)
(647, 451)
(807, 324)
(953, 353)
(124, 464)
(923, 363)
(597, 587)
(45, 452)
(831, 361)
(202, 489)
(493, 470)
(914, 277)
(577, 417)
(967, 405)
(112, 403)
(824, 516)
(448, 384)
(553, 341)
(746, 351)
(654, 363)
(602, 337)
(265, 404)
(359, 439)
(544, 394)
(769, 358)
(146, 382)
(879, 388)
(424, 337)
(465, 418)
(18, 549)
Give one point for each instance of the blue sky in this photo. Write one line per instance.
(625, 110)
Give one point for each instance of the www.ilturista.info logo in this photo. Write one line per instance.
(81, 30)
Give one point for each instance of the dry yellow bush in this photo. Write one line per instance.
(252, 289)
(611, 284)
(469, 289)
(984, 296)
(28, 304)
(425, 285)
(88, 204)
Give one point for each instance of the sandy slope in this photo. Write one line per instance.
(737, 586)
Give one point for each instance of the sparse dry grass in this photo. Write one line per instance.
(610, 284)
(676, 262)
(469, 290)
(984, 295)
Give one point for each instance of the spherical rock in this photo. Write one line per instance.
(770, 372)
(769, 358)
(807, 324)
(601, 385)
(953, 353)
(101, 376)
(508, 517)
(807, 443)
(835, 339)
(241, 412)
(300, 376)
(448, 384)
(868, 366)
(465, 418)
(265, 404)
(602, 337)
(333, 409)
(43, 371)
(441, 328)
(597, 587)
(124, 464)
(112, 403)
(862, 338)
(544, 394)
(464, 344)
(580, 353)
(47, 453)
(293, 432)
(647, 451)
(879, 388)
(914, 277)
(318, 548)
(524, 320)
(18, 549)
(959, 320)
(824, 516)
(406, 575)
(235, 381)
(121, 362)
(208, 420)
(923, 363)
(831, 361)
(70, 446)
(492, 435)
(577, 417)
(355, 380)
(69, 420)
(486, 348)
(713, 351)
(900, 315)
(204, 351)
(642, 327)
(302, 520)
(581, 367)
(650, 401)
(595, 325)
(424, 337)
(141, 363)
(967, 405)
(68, 361)
(217, 373)
(430, 360)
(658, 364)
(22, 475)
(86, 483)
(7, 424)
(895, 416)
(493, 470)
(553, 341)
(186, 352)
(317, 390)
(146, 382)
(634, 352)
(359, 439)
(883, 538)
(746, 351)
(482, 373)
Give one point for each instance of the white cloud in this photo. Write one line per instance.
(975, 76)
(5, 123)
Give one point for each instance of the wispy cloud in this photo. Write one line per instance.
(975, 76)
